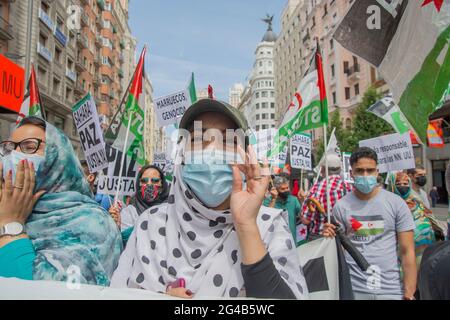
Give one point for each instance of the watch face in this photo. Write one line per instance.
(13, 228)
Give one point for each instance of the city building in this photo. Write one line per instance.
(258, 99)
(77, 46)
(236, 91)
(202, 94)
(347, 77)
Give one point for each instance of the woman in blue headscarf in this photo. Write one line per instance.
(50, 226)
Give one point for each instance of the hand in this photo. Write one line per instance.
(179, 292)
(114, 211)
(329, 230)
(301, 194)
(245, 204)
(274, 193)
(17, 201)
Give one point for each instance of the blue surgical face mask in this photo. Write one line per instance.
(365, 184)
(208, 176)
(11, 161)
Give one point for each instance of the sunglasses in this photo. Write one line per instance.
(148, 180)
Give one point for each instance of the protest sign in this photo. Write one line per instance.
(394, 152)
(88, 127)
(346, 168)
(109, 182)
(169, 108)
(12, 84)
(301, 151)
(159, 160)
(264, 142)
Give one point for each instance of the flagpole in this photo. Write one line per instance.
(123, 157)
(326, 172)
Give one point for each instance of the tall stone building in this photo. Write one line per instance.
(258, 98)
(77, 46)
(347, 77)
(234, 98)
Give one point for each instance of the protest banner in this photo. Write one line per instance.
(346, 168)
(88, 128)
(109, 182)
(395, 152)
(12, 84)
(264, 140)
(301, 151)
(159, 160)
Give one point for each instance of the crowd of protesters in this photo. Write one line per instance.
(226, 229)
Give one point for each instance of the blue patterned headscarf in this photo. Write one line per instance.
(74, 238)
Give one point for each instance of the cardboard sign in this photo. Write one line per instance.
(12, 85)
(109, 182)
(88, 127)
(395, 152)
(346, 168)
(301, 151)
(169, 108)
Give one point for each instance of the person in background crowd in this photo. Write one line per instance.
(90, 177)
(380, 226)
(418, 178)
(281, 198)
(338, 188)
(434, 195)
(48, 219)
(213, 233)
(424, 236)
(152, 189)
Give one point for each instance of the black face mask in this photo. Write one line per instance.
(421, 181)
(403, 190)
(284, 195)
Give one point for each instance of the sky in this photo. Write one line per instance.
(215, 39)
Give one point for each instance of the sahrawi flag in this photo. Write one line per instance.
(31, 105)
(132, 117)
(408, 41)
(309, 110)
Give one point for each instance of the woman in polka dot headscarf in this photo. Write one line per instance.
(213, 236)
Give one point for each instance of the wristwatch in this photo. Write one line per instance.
(12, 229)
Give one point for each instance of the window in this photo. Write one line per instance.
(42, 40)
(264, 105)
(257, 117)
(264, 126)
(357, 89)
(332, 71)
(257, 128)
(56, 86)
(264, 94)
(347, 93)
(260, 64)
(272, 116)
(331, 44)
(272, 105)
(257, 95)
(346, 67)
(272, 94)
(264, 116)
(58, 54)
(334, 97)
(257, 106)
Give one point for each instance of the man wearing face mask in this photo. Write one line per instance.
(381, 227)
(281, 198)
(418, 178)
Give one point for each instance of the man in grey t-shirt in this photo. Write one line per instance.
(379, 224)
(418, 178)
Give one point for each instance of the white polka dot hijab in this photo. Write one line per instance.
(184, 239)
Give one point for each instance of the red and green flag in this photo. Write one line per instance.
(31, 105)
(309, 110)
(131, 118)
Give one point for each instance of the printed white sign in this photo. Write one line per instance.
(109, 181)
(169, 108)
(91, 137)
(301, 152)
(346, 168)
(395, 152)
(159, 160)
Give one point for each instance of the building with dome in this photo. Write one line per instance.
(258, 99)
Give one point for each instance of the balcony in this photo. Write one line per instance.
(79, 65)
(98, 41)
(84, 20)
(5, 30)
(45, 18)
(79, 89)
(353, 73)
(60, 36)
(71, 75)
(82, 41)
(44, 52)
